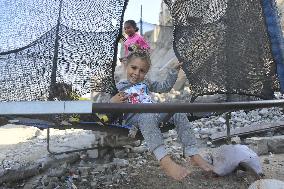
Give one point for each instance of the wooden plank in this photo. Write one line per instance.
(247, 130)
(45, 107)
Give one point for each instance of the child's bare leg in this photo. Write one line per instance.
(173, 169)
(199, 161)
(148, 125)
(188, 140)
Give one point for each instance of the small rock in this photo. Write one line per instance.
(84, 170)
(204, 136)
(266, 161)
(139, 149)
(93, 153)
(94, 184)
(209, 143)
(222, 120)
(197, 136)
(120, 162)
(236, 140)
(120, 153)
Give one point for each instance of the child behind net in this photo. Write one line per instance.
(135, 89)
(134, 40)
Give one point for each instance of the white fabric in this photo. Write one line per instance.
(227, 158)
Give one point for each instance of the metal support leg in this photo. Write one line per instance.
(228, 117)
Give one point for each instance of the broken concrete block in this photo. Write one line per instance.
(263, 145)
(140, 149)
(236, 140)
(267, 183)
(258, 144)
(276, 144)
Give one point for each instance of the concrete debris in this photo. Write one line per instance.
(267, 184)
(236, 140)
(263, 145)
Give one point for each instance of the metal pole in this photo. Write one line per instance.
(184, 107)
(228, 117)
(55, 57)
(141, 22)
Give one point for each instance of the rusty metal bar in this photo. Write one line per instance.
(184, 107)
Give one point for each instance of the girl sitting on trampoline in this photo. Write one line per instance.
(136, 90)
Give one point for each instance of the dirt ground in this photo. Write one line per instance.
(151, 176)
(142, 175)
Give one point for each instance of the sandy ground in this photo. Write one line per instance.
(20, 145)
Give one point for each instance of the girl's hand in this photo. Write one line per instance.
(119, 98)
(177, 65)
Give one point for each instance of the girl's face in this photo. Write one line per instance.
(136, 70)
(129, 29)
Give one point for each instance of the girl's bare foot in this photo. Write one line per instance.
(173, 169)
(199, 161)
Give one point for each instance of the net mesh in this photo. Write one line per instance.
(47, 47)
(225, 46)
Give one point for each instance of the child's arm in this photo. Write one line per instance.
(167, 85)
(119, 98)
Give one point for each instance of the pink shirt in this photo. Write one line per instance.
(137, 40)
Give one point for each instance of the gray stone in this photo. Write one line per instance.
(263, 145)
(263, 111)
(258, 145)
(204, 136)
(276, 144)
(222, 120)
(84, 171)
(140, 149)
(120, 162)
(266, 161)
(209, 143)
(56, 172)
(93, 153)
(94, 184)
(120, 153)
(99, 169)
(236, 140)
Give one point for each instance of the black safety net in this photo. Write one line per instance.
(50, 46)
(225, 46)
